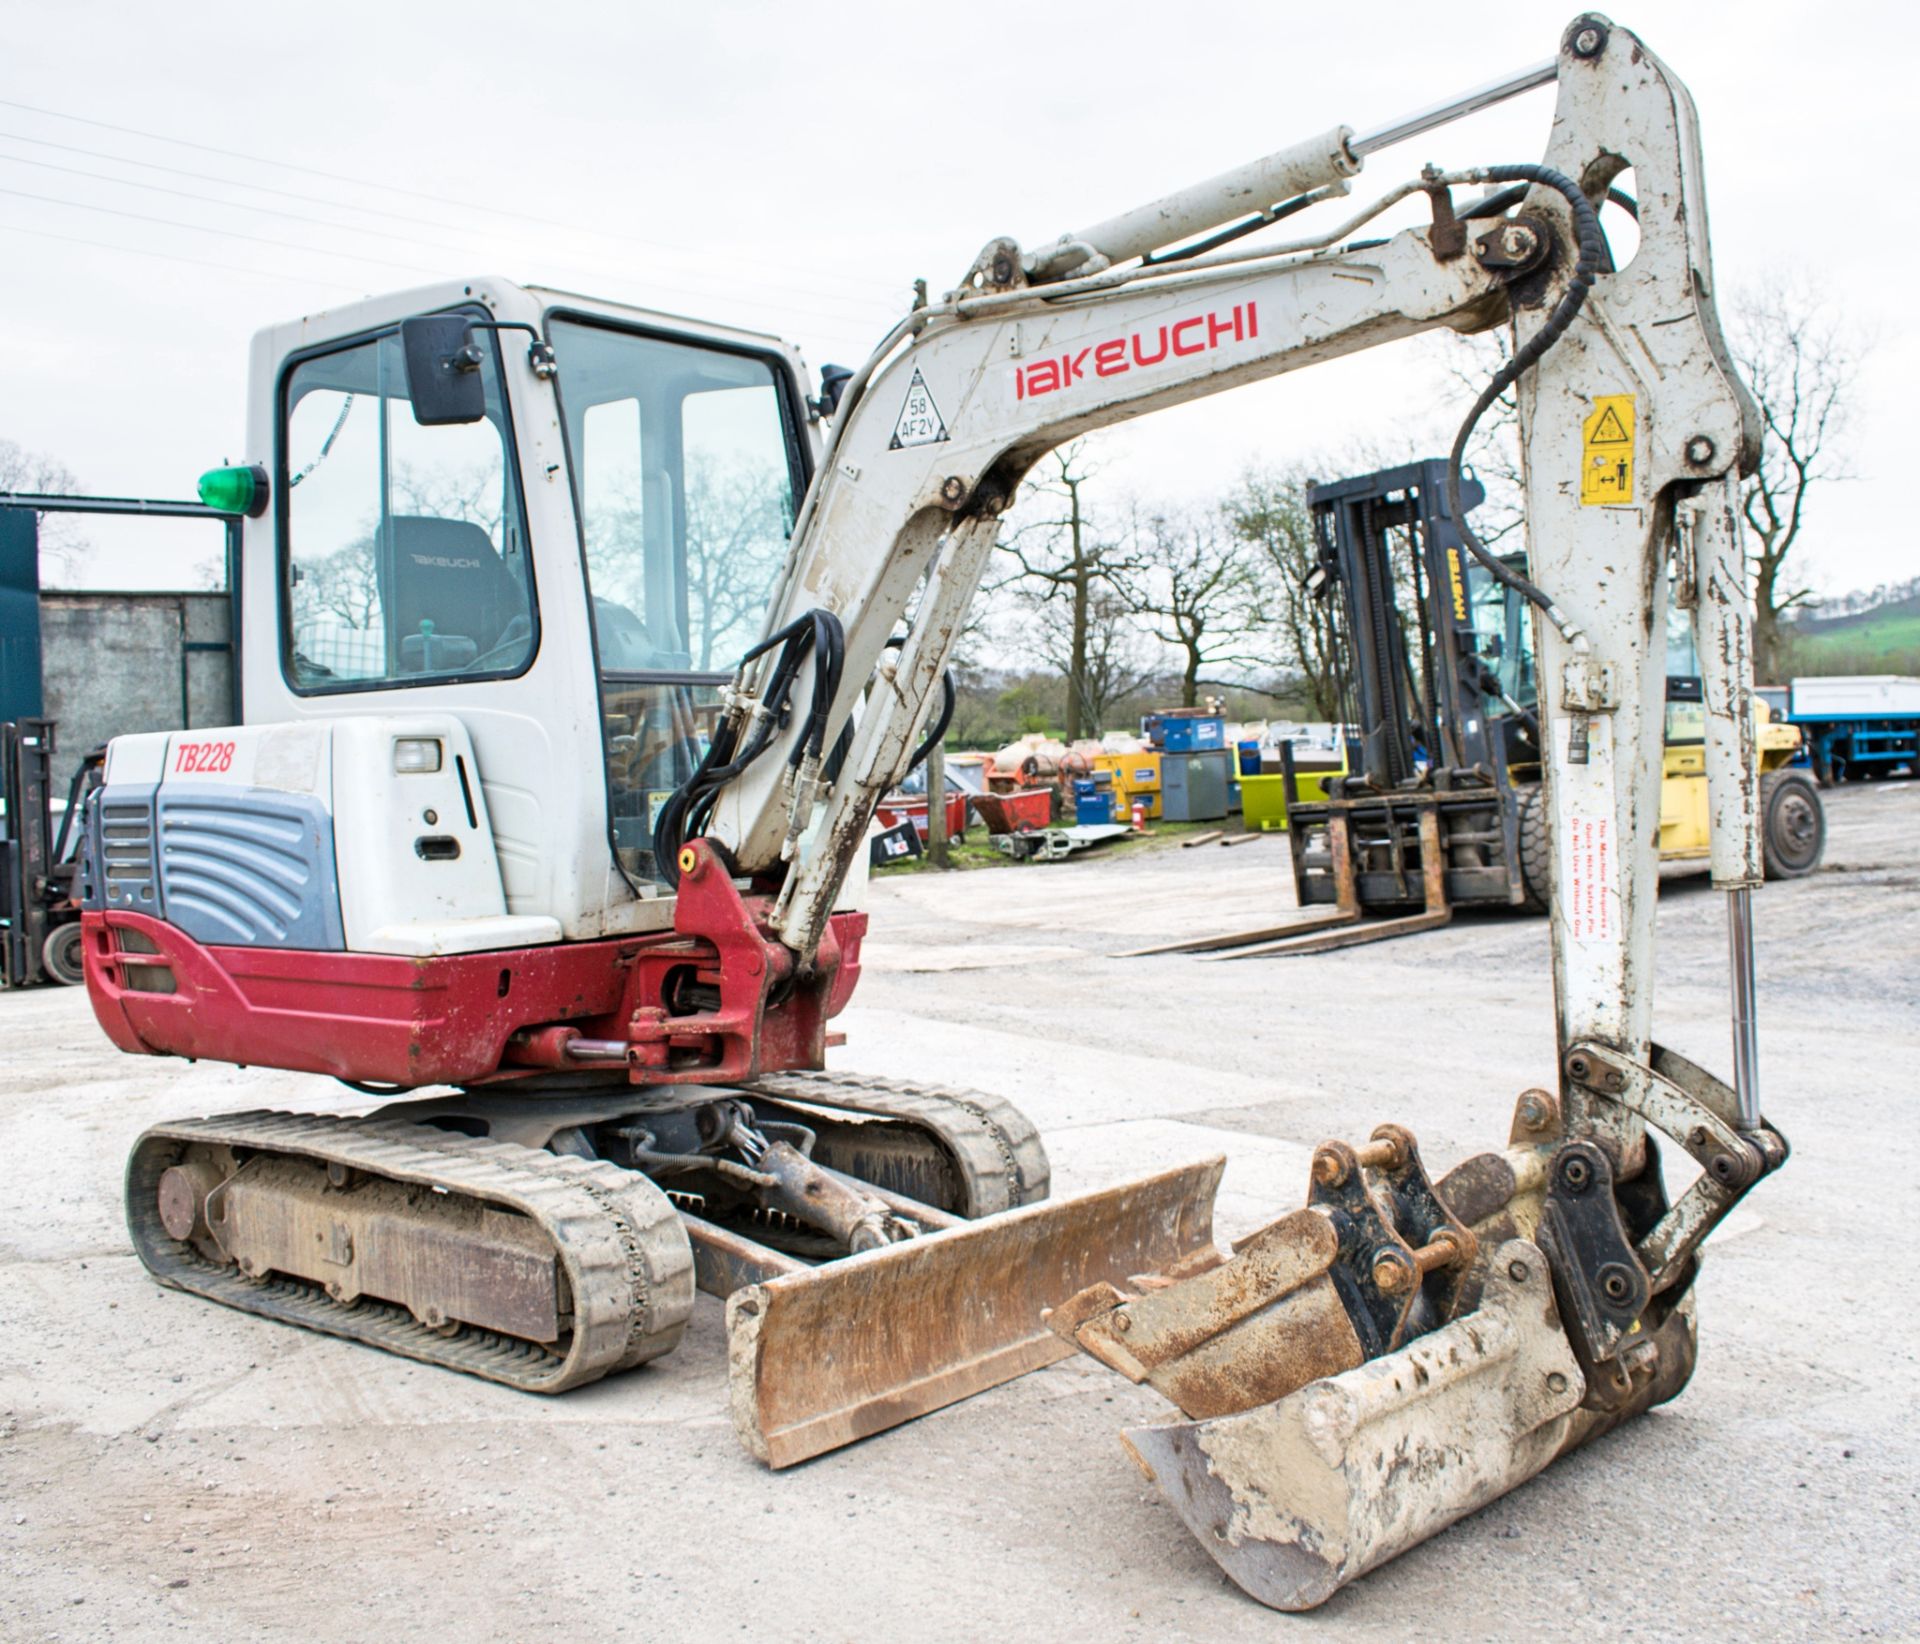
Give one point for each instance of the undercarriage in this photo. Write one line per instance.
(546, 1238)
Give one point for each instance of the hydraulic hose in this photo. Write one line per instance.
(1592, 254)
(689, 809)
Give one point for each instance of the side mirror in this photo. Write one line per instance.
(833, 384)
(443, 370)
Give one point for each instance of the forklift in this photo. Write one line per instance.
(39, 864)
(1442, 806)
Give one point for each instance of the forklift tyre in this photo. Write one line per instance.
(1793, 825)
(62, 955)
(1536, 850)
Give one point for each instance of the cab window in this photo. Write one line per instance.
(686, 473)
(405, 549)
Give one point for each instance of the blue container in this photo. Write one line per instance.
(1194, 734)
(1091, 808)
(1249, 758)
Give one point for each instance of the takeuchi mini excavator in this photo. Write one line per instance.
(580, 643)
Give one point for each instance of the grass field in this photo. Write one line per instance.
(1881, 641)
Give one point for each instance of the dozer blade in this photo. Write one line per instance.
(1298, 1497)
(817, 1359)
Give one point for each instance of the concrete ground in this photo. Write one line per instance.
(171, 1468)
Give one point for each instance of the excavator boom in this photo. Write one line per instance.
(1486, 1324)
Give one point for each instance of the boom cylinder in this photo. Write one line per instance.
(1193, 210)
(1329, 158)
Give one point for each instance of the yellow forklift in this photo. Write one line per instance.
(1442, 805)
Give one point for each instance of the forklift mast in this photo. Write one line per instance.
(1447, 700)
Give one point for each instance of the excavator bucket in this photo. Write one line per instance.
(1297, 1497)
(819, 1357)
(1361, 1373)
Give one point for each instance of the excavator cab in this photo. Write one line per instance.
(406, 529)
(499, 570)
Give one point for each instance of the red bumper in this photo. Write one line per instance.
(367, 1016)
(386, 1019)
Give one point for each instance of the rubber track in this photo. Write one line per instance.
(998, 1150)
(628, 1265)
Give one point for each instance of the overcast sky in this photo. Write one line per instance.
(174, 177)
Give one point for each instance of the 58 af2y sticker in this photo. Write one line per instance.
(919, 422)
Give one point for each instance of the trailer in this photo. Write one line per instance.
(1858, 725)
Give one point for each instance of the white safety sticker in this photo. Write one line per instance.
(920, 421)
(1590, 868)
(1587, 846)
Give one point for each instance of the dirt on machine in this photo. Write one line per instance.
(546, 836)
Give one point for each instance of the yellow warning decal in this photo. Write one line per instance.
(1606, 452)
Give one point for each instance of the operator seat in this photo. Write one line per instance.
(448, 576)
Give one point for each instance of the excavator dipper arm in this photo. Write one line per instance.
(1368, 1370)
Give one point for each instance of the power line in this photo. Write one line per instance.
(224, 233)
(215, 200)
(171, 257)
(442, 273)
(413, 218)
(274, 211)
(337, 177)
(231, 182)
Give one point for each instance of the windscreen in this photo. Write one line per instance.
(1503, 635)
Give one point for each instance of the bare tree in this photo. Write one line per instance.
(1493, 453)
(1065, 569)
(1267, 509)
(345, 584)
(1196, 586)
(469, 491)
(1115, 658)
(61, 543)
(736, 540)
(1801, 359)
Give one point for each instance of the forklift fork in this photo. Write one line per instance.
(1433, 885)
(1342, 928)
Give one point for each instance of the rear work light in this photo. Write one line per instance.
(416, 755)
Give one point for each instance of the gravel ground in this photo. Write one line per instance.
(171, 1468)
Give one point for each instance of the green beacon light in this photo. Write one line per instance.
(240, 490)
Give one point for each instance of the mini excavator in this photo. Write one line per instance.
(580, 643)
